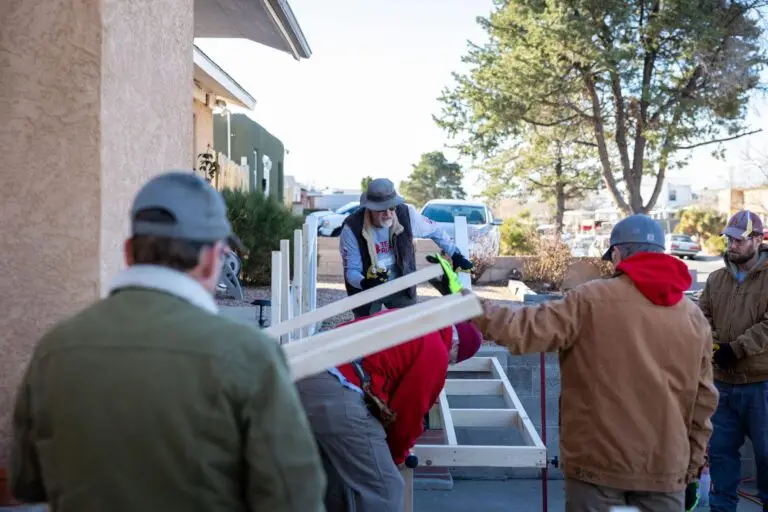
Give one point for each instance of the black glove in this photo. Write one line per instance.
(460, 262)
(724, 356)
(374, 278)
(691, 495)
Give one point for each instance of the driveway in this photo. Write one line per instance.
(703, 266)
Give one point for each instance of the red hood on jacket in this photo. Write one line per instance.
(660, 277)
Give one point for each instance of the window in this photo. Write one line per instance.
(672, 194)
(446, 213)
(681, 238)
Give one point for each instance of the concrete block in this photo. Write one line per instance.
(552, 380)
(500, 353)
(521, 378)
(518, 290)
(476, 402)
(532, 406)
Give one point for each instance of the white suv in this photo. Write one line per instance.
(330, 225)
(482, 226)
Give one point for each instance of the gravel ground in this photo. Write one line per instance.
(328, 291)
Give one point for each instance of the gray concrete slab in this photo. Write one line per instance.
(506, 496)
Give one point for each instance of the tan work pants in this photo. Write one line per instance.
(584, 497)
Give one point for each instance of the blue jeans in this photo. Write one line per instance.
(741, 412)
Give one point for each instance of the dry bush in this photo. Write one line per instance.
(548, 267)
(545, 270)
(482, 256)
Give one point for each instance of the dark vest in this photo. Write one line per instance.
(405, 253)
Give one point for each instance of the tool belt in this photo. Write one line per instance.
(379, 409)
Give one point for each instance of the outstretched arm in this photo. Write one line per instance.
(422, 227)
(350, 257)
(544, 328)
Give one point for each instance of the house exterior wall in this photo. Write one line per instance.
(202, 130)
(250, 140)
(89, 115)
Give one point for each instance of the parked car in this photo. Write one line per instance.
(330, 225)
(681, 246)
(483, 228)
(581, 245)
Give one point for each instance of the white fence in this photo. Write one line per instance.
(294, 297)
(295, 319)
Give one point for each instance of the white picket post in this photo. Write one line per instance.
(298, 276)
(285, 284)
(310, 277)
(461, 239)
(275, 313)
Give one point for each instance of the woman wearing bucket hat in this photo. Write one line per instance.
(367, 415)
(376, 244)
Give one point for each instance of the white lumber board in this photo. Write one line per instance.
(446, 418)
(473, 364)
(381, 333)
(513, 402)
(481, 456)
(466, 418)
(473, 387)
(407, 474)
(461, 239)
(274, 310)
(357, 300)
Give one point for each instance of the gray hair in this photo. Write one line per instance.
(630, 249)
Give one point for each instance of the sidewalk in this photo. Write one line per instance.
(505, 496)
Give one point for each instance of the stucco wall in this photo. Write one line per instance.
(93, 101)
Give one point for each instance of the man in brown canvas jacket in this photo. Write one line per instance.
(635, 362)
(735, 301)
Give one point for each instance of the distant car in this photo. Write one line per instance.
(581, 245)
(681, 246)
(330, 225)
(483, 228)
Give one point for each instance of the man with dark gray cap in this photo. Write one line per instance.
(636, 370)
(148, 400)
(376, 245)
(735, 300)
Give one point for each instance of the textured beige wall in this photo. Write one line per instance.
(94, 99)
(203, 129)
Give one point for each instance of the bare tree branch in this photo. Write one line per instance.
(716, 141)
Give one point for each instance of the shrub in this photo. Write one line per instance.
(706, 225)
(260, 222)
(517, 237)
(545, 270)
(482, 257)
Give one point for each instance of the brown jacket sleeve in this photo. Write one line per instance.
(705, 304)
(703, 409)
(753, 341)
(544, 328)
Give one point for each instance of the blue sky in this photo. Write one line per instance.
(363, 103)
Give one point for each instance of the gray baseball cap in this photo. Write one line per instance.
(380, 196)
(635, 229)
(198, 210)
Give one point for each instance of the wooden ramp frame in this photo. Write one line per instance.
(532, 455)
(308, 353)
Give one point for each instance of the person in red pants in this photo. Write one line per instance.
(367, 415)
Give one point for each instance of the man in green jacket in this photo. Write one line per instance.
(148, 400)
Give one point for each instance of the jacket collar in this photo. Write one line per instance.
(163, 279)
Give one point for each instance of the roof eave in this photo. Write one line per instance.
(286, 22)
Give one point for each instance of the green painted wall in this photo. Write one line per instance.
(252, 141)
